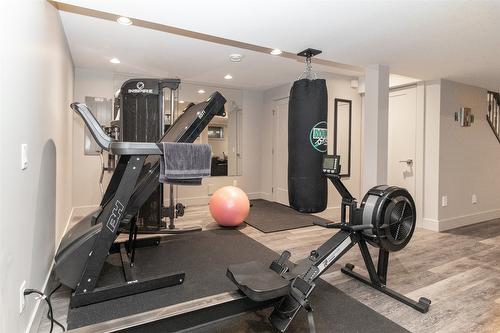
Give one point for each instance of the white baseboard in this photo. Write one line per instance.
(330, 213)
(266, 196)
(333, 208)
(203, 200)
(430, 224)
(84, 210)
(254, 195)
(461, 221)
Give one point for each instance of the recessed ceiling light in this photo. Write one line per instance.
(235, 57)
(201, 91)
(228, 76)
(181, 102)
(276, 52)
(124, 20)
(114, 60)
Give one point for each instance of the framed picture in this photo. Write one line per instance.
(215, 132)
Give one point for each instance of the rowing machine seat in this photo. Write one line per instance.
(258, 281)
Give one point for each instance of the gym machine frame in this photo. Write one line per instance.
(128, 170)
(294, 283)
(174, 210)
(84, 249)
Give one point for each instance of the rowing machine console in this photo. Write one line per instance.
(385, 219)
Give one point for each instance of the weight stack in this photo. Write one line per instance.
(307, 142)
(140, 111)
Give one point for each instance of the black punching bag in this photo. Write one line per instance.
(307, 132)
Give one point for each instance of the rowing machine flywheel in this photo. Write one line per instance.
(391, 212)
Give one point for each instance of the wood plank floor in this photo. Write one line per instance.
(458, 270)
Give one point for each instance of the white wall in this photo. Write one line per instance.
(469, 159)
(86, 194)
(395, 81)
(459, 161)
(431, 155)
(338, 87)
(87, 168)
(38, 71)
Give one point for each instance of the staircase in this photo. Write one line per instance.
(493, 115)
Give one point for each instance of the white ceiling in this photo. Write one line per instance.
(93, 42)
(452, 39)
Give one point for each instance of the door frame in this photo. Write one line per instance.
(419, 162)
(276, 103)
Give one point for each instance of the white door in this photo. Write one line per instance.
(280, 152)
(402, 130)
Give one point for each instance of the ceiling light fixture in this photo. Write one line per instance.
(228, 76)
(114, 60)
(124, 20)
(235, 57)
(276, 52)
(201, 91)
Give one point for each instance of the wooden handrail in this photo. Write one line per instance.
(493, 113)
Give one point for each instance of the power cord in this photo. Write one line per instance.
(50, 313)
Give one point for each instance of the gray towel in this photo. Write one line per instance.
(184, 161)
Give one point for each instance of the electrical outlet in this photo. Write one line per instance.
(474, 199)
(22, 302)
(235, 182)
(444, 201)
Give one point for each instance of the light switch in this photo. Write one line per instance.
(24, 156)
(444, 201)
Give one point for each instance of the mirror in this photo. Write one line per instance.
(102, 110)
(342, 122)
(223, 134)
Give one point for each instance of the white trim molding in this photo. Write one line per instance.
(464, 220)
(460, 221)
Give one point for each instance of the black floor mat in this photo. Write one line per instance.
(268, 216)
(334, 311)
(204, 256)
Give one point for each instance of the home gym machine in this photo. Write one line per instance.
(386, 219)
(85, 247)
(143, 118)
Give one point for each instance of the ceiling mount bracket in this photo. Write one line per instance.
(309, 53)
(308, 72)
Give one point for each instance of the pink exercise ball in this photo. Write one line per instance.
(229, 206)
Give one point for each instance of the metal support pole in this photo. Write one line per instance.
(171, 224)
(370, 267)
(383, 264)
(173, 112)
(171, 215)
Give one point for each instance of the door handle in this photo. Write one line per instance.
(408, 162)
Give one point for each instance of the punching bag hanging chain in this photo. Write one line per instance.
(308, 72)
